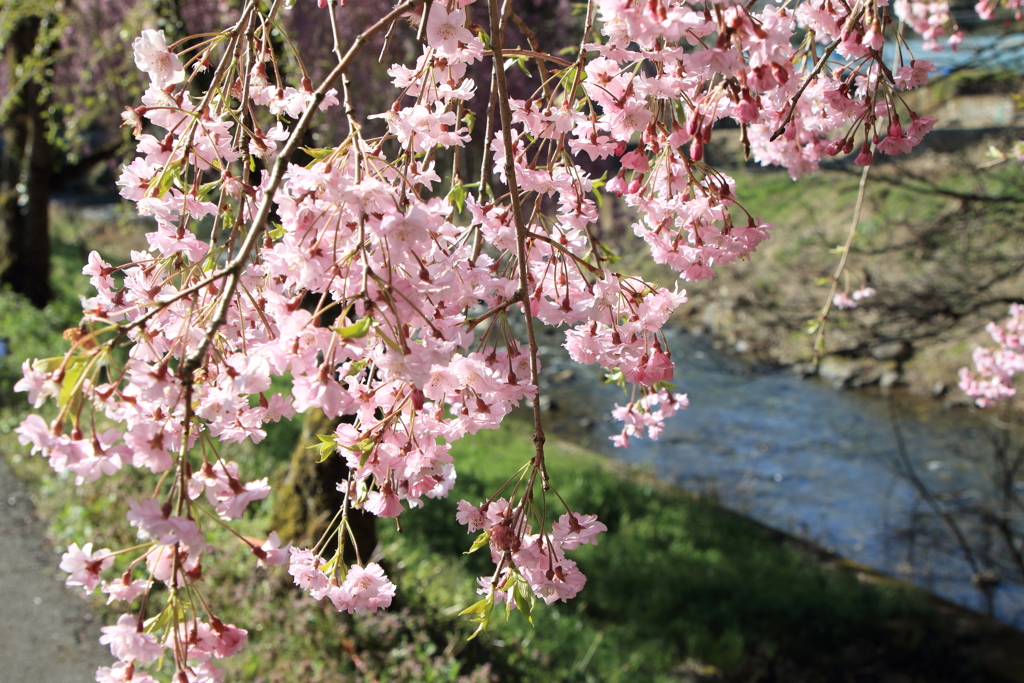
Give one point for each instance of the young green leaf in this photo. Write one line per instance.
(481, 540)
(525, 599)
(328, 444)
(72, 373)
(457, 196)
(356, 330)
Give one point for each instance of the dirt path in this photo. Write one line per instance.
(47, 632)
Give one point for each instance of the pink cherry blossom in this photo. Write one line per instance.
(84, 566)
(153, 57)
(843, 301)
(122, 672)
(129, 643)
(368, 589)
(445, 31)
(124, 589)
(573, 530)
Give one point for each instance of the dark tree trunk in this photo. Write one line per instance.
(25, 173)
(307, 498)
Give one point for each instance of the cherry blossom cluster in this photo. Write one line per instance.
(994, 369)
(403, 304)
(845, 301)
(538, 559)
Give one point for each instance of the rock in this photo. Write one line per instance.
(858, 372)
(897, 350)
(837, 370)
(566, 375)
(710, 313)
(872, 372)
(804, 369)
(743, 346)
(889, 378)
(939, 389)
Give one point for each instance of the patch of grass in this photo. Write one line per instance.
(675, 578)
(35, 333)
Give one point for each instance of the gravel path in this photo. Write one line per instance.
(47, 632)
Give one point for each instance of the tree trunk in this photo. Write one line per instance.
(307, 499)
(25, 173)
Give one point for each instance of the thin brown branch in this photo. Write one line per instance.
(234, 269)
(819, 339)
(497, 30)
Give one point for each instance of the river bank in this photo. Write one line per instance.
(939, 239)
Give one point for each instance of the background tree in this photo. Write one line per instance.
(30, 31)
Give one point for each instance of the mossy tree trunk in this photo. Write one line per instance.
(307, 497)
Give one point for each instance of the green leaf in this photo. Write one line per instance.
(206, 188)
(476, 608)
(457, 196)
(568, 77)
(483, 539)
(318, 153)
(357, 367)
(167, 178)
(608, 254)
(157, 622)
(72, 373)
(525, 599)
(356, 330)
(389, 341)
(483, 610)
(821, 281)
(328, 444)
(328, 566)
(47, 364)
(469, 119)
(521, 61)
(364, 448)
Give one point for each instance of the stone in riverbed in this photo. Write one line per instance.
(845, 372)
(897, 350)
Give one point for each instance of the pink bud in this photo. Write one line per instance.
(696, 150)
(864, 158)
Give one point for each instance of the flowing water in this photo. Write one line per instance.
(802, 457)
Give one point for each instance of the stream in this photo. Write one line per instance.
(818, 463)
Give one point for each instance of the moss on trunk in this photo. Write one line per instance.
(307, 497)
